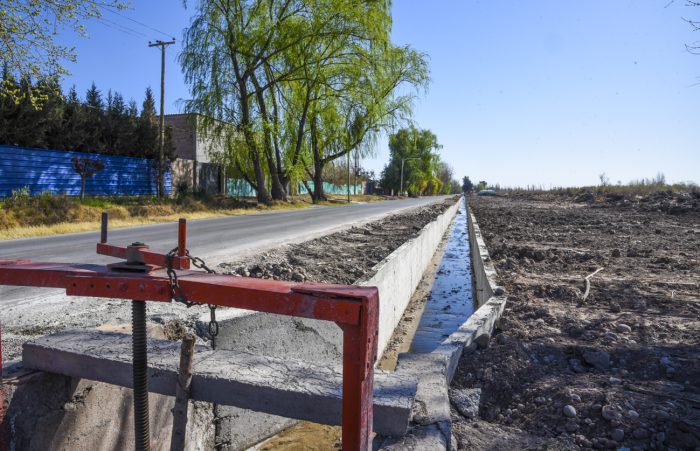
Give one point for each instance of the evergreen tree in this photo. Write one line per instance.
(73, 122)
(147, 130)
(93, 124)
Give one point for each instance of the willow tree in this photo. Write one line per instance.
(377, 95)
(246, 61)
(416, 152)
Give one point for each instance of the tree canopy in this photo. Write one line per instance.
(303, 83)
(28, 30)
(97, 124)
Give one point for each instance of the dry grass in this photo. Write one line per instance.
(56, 215)
(45, 214)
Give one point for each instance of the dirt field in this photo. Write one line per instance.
(342, 257)
(616, 368)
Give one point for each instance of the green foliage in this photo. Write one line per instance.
(415, 150)
(28, 47)
(303, 83)
(67, 123)
(20, 195)
(467, 185)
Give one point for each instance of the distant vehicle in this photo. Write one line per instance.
(487, 192)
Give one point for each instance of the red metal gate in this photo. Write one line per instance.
(145, 277)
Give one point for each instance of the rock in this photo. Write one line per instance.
(662, 415)
(571, 426)
(605, 443)
(466, 401)
(616, 253)
(576, 366)
(623, 328)
(640, 433)
(660, 437)
(499, 291)
(574, 397)
(615, 307)
(569, 411)
(502, 339)
(609, 413)
(632, 414)
(297, 277)
(482, 341)
(470, 348)
(597, 359)
(617, 434)
(585, 198)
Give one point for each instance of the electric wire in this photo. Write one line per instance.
(138, 22)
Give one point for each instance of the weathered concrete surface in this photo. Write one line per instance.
(450, 299)
(398, 275)
(320, 342)
(430, 427)
(285, 387)
(484, 271)
(49, 412)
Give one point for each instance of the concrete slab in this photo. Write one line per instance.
(285, 387)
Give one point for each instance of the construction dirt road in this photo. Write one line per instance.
(609, 363)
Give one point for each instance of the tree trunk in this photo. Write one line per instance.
(318, 195)
(263, 195)
(82, 188)
(278, 191)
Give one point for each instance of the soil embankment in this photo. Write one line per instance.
(609, 363)
(343, 257)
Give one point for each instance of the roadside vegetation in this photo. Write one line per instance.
(23, 215)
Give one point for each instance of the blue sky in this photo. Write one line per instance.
(537, 92)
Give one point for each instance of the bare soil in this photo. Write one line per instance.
(343, 257)
(618, 368)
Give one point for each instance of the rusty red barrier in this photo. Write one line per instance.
(353, 308)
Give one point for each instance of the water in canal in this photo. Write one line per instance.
(450, 303)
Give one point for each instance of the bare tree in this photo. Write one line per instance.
(86, 168)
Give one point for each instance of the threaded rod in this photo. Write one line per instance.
(142, 439)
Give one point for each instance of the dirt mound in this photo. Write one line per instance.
(618, 367)
(342, 257)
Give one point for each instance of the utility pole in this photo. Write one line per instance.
(161, 124)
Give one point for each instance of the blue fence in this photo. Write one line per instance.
(330, 188)
(52, 170)
(239, 188)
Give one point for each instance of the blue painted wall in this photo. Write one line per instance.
(330, 188)
(239, 188)
(52, 170)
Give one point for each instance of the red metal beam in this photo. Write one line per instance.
(149, 257)
(355, 309)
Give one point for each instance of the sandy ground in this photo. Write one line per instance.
(616, 368)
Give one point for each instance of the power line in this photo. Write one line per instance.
(123, 28)
(138, 22)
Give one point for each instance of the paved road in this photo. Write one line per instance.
(211, 238)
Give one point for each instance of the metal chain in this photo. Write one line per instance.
(177, 295)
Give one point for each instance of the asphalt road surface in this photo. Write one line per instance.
(229, 237)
